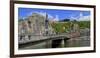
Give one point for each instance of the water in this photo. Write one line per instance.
(78, 43)
(75, 42)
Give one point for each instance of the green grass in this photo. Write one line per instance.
(84, 24)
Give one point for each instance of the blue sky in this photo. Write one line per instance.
(62, 14)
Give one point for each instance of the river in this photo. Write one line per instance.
(75, 42)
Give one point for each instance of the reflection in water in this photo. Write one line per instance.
(80, 42)
(77, 43)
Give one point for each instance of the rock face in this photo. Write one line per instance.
(35, 24)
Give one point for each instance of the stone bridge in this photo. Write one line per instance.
(49, 39)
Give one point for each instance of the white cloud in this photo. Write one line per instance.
(80, 17)
(84, 18)
(50, 17)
